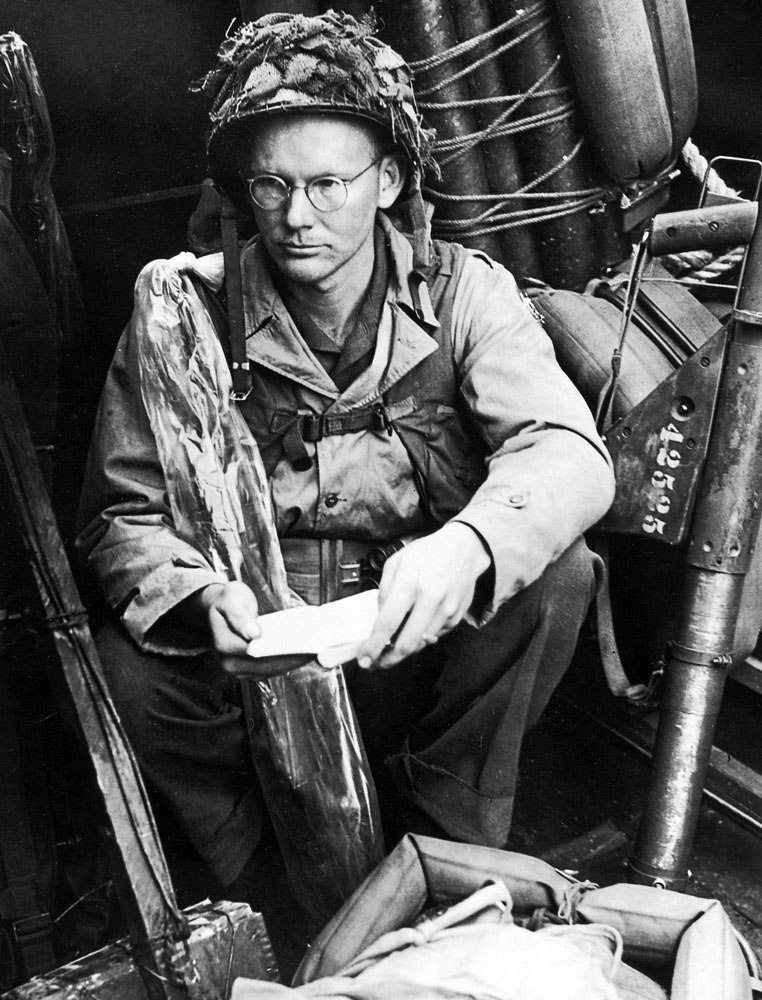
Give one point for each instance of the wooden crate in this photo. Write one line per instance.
(227, 940)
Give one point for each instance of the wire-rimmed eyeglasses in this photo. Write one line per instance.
(326, 194)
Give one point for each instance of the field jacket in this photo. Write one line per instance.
(548, 477)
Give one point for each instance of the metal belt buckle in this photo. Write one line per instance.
(241, 372)
(349, 574)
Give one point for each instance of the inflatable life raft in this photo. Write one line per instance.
(604, 97)
(684, 942)
(668, 325)
(633, 65)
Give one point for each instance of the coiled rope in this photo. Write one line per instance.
(503, 213)
(456, 51)
(701, 267)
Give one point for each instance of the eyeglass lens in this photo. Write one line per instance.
(327, 194)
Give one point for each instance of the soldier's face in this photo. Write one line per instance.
(309, 246)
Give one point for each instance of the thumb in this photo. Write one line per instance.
(241, 611)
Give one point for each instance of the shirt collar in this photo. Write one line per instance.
(274, 341)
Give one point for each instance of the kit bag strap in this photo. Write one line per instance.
(639, 695)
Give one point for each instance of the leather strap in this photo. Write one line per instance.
(618, 682)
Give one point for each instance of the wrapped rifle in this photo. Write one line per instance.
(305, 743)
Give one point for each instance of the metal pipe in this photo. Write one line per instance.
(423, 29)
(723, 535)
(703, 228)
(567, 245)
(695, 679)
(501, 158)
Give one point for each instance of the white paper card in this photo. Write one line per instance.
(331, 632)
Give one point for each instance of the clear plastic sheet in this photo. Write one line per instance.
(27, 138)
(306, 746)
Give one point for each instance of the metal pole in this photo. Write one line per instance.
(724, 530)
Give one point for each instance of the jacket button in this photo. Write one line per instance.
(332, 499)
(517, 499)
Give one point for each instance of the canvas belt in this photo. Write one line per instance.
(325, 569)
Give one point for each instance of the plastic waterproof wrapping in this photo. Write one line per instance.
(26, 137)
(305, 741)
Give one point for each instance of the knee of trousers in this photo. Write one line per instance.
(143, 685)
(569, 584)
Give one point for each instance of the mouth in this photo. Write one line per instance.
(299, 249)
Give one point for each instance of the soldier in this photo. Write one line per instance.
(404, 397)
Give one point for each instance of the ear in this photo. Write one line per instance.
(392, 175)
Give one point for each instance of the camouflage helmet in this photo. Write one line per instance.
(330, 63)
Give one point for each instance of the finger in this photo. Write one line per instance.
(226, 642)
(425, 625)
(233, 619)
(241, 616)
(377, 642)
(422, 628)
(393, 606)
(391, 617)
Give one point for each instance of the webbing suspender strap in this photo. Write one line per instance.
(239, 362)
(313, 427)
(20, 903)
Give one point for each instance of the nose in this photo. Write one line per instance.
(299, 210)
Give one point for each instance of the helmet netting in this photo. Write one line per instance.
(332, 61)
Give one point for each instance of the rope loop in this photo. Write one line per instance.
(567, 911)
(700, 268)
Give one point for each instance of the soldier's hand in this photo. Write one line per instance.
(231, 613)
(426, 589)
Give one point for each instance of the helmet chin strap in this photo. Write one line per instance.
(239, 362)
(417, 210)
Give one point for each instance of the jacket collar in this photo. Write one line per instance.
(404, 337)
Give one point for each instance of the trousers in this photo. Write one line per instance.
(446, 725)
